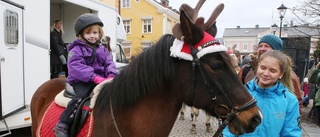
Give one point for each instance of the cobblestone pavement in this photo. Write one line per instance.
(182, 127)
(309, 126)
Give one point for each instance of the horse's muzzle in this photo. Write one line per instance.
(253, 123)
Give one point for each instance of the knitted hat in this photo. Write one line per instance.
(274, 41)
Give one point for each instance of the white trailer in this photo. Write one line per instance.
(25, 48)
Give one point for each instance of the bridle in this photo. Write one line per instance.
(235, 110)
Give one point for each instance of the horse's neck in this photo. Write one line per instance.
(152, 116)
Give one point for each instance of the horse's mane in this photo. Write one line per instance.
(151, 71)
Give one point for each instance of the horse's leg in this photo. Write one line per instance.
(194, 116)
(208, 125)
(183, 108)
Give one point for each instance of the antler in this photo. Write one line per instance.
(213, 16)
(192, 15)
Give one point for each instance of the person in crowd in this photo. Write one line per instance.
(311, 62)
(246, 60)
(106, 42)
(272, 89)
(58, 51)
(314, 77)
(89, 63)
(238, 55)
(234, 62)
(317, 106)
(267, 43)
(305, 86)
(252, 56)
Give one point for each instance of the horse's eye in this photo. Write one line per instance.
(216, 67)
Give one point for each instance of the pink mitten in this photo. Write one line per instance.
(98, 79)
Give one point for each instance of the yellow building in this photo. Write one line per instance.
(145, 21)
(113, 3)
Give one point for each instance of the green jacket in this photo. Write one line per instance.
(314, 77)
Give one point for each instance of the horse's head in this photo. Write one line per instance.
(209, 80)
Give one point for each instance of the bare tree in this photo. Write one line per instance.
(308, 15)
(308, 12)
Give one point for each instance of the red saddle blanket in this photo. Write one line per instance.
(51, 117)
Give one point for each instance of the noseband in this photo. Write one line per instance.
(235, 110)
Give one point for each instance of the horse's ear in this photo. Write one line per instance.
(189, 30)
(176, 30)
(212, 30)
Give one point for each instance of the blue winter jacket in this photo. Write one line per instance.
(280, 109)
(82, 66)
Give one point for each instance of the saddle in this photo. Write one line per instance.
(62, 99)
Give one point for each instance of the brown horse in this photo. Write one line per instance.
(146, 97)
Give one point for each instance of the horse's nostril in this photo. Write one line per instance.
(254, 122)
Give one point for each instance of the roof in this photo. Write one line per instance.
(243, 32)
(295, 31)
(301, 31)
(163, 9)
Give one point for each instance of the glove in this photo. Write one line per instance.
(63, 60)
(98, 79)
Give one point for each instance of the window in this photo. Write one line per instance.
(127, 26)
(125, 3)
(245, 47)
(169, 26)
(127, 48)
(146, 25)
(146, 44)
(11, 28)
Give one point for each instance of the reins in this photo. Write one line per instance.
(114, 119)
(235, 110)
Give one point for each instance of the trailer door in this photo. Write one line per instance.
(11, 59)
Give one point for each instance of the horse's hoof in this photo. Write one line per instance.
(193, 130)
(209, 128)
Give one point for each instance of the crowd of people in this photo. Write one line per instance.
(250, 75)
(271, 81)
(267, 75)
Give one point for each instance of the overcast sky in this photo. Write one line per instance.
(243, 13)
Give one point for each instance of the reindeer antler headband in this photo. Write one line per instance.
(207, 43)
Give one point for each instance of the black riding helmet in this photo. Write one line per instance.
(85, 20)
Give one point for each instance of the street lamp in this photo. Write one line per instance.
(274, 28)
(282, 11)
